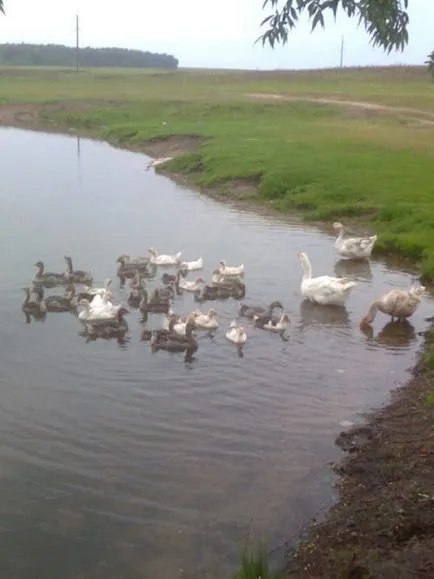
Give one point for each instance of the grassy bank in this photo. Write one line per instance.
(260, 138)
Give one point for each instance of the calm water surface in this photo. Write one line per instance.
(116, 462)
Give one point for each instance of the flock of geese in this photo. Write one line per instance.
(100, 318)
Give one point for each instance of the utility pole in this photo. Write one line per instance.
(342, 51)
(77, 44)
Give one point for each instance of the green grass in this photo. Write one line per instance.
(330, 162)
(254, 565)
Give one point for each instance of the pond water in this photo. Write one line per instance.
(117, 462)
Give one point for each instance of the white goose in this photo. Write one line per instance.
(236, 334)
(163, 259)
(353, 247)
(324, 290)
(171, 315)
(194, 265)
(400, 304)
(95, 316)
(104, 304)
(180, 326)
(191, 286)
(230, 270)
(206, 321)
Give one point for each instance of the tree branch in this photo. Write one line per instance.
(386, 21)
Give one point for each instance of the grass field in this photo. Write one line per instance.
(371, 167)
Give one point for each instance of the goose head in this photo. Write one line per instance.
(337, 226)
(189, 326)
(233, 324)
(418, 291)
(40, 266)
(222, 263)
(275, 304)
(122, 311)
(152, 251)
(212, 313)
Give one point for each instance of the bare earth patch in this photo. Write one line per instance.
(383, 525)
(171, 146)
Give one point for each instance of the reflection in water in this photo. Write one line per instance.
(36, 317)
(312, 314)
(357, 269)
(394, 335)
(121, 338)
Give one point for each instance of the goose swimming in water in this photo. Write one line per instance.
(128, 268)
(325, 289)
(154, 305)
(77, 276)
(399, 304)
(95, 316)
(47, 278)
(109, 328)
(250, 311)
(206, 321)
(218, 292)
(58, 303)
(34, 308)
(233, 283)
(193, 265)
(272, 323)
(353, 247)
(229, 271)
(163, 259)
(191, 286)
(168, 340)
(236, 334)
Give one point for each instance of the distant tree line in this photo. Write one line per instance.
(59, 55)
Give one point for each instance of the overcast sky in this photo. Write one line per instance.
(202, 33)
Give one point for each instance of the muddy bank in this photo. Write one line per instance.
(383, 525)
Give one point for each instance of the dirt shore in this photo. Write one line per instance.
(383, 525)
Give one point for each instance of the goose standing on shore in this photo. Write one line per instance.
(353, 247)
